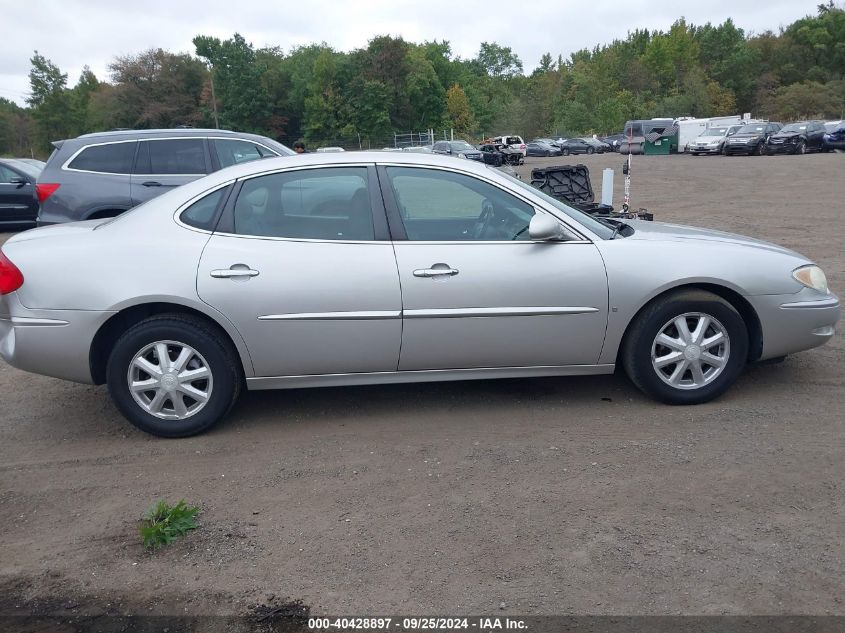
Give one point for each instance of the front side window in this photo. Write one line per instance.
(235, 151)
(7, 175)
(320, 204)
(439, 205)
(171, 157)
(111, 158)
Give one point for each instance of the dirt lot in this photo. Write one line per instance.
(549, 496)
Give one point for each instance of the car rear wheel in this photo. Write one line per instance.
(173, 375)
(686, 348)
(590, 150)
(565, 151)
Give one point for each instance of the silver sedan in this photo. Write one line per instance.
(364, 268)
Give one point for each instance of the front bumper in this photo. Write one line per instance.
(54, 343)
(744, 148)
(781, 148)
(795, 322)
(707, 149)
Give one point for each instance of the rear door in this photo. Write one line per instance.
(162, 164)
(302, 265)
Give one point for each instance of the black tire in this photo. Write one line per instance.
(758, 151)
(640, 339)
(208, 341)
(565, 151)
(801, 148)
(548, 153)
(590, 150)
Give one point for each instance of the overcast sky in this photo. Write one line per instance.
(75, 33)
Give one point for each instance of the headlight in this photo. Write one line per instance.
(462, 155)
(812, 277)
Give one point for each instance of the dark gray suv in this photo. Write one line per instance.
(102, 175)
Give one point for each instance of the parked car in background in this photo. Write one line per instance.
(599, 145)
(34, 162)
(513, 141)
(18, 202)
(513, 157)
(458, 149)
(797, 138)
(751, 139)
(102, 175)
(613, 141)
(419, 267)
(330, 149)
(712, 140)
(574, 146)
(834, 138)
(541, 148)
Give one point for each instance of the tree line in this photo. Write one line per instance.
(320, 95)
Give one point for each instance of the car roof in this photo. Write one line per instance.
(187, 131)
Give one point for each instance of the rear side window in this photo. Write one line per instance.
(201, 213)
(234, 151)
(112, 158)
(170, 157)
(322, 204)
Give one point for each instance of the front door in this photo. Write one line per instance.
(297, 267)
(476, 292)
(163, 164)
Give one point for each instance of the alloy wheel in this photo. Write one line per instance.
(690, 351)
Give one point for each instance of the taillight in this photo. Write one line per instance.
(45, 189)
(522, 146)
(10, 277)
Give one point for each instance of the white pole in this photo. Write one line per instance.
(607, 186)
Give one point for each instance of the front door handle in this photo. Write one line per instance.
(151, 183)
(442, 269)
(235, 271)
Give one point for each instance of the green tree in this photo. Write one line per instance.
(244, 102)
(49, 101)
(460, 113)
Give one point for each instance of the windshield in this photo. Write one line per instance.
(584, 219)
(752, 129)
(461, 146)
(794, 127)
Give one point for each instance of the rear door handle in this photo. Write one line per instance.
(237, 270)
(435, 272)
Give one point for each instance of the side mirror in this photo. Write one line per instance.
(544, 228)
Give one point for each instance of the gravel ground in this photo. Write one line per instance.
(544, 496)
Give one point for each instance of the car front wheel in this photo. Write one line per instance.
(590, 150)
(686, 348)
(173, 375)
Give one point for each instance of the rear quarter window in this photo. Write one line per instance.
(203, 213)
(111, 158)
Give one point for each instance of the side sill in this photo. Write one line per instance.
(422, 375)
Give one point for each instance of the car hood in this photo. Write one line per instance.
(645, 230)
(746, 137)
(708, 139)
(785, 134)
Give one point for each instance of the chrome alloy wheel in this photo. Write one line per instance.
(690, 351)
(170, 380)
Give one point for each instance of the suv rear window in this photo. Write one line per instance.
(176, 156)
(111, 158)
(514, 140)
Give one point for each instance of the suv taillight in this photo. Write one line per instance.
(45, 189)
(10, 277)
